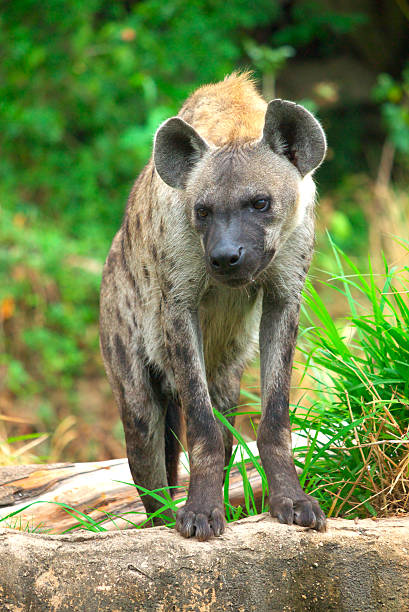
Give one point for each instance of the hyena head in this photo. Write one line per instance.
(245, 198)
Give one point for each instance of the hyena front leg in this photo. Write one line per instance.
(203, 513)
(278, 332)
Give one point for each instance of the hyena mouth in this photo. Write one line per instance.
(237, 282)
(231, 281)
(250, 277)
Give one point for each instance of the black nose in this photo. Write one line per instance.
(224, 258)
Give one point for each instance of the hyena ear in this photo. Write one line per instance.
(292, 131)
(177, 149)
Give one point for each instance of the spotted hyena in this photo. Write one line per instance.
(214, 247)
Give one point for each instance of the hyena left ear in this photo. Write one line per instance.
(292, 131)
(177, 149)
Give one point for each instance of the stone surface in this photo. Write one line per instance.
(256, 565)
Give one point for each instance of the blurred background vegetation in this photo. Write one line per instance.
(83, 87)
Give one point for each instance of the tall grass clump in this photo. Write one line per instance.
(356, 456)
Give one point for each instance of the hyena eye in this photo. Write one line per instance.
(262, 204)
(202, 212)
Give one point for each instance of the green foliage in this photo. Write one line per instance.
(266, 59)
(50, 323)
(84, 85)
(314, 22)
(87, 85)
(394, 97)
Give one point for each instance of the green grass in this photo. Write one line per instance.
(356, 458)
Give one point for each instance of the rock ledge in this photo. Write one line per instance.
(256, 565)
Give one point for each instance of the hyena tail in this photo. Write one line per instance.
(173, 429)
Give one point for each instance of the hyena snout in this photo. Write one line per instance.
(226, 258)
(232, 263)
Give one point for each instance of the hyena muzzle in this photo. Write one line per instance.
(214, 246)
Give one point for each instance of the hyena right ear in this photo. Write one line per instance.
(292, 131)
(177, 149)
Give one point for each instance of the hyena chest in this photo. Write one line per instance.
(229, 320)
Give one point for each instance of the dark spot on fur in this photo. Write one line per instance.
(130, 276)
(167, 285)
(146, 274)
(123, 257)
(121, 393)
(288, 355)
(128, 233)
(193, 387)
(135, 322)
(293, 329)
(122, 356)
(140, 351)
(128, 303)
(106, 347)
(119, 316)
(109, 263)
(154, 252)
(137, 222)
(186, 355)
(178, 350)
(178, 324)
(161, 228)
(141, 425)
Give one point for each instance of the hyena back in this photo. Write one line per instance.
(215, 244)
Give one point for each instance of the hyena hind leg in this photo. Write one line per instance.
(173, 428)
(143, 412)
(224, 392)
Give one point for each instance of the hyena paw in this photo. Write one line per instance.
(301, 510)
(200, 521)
